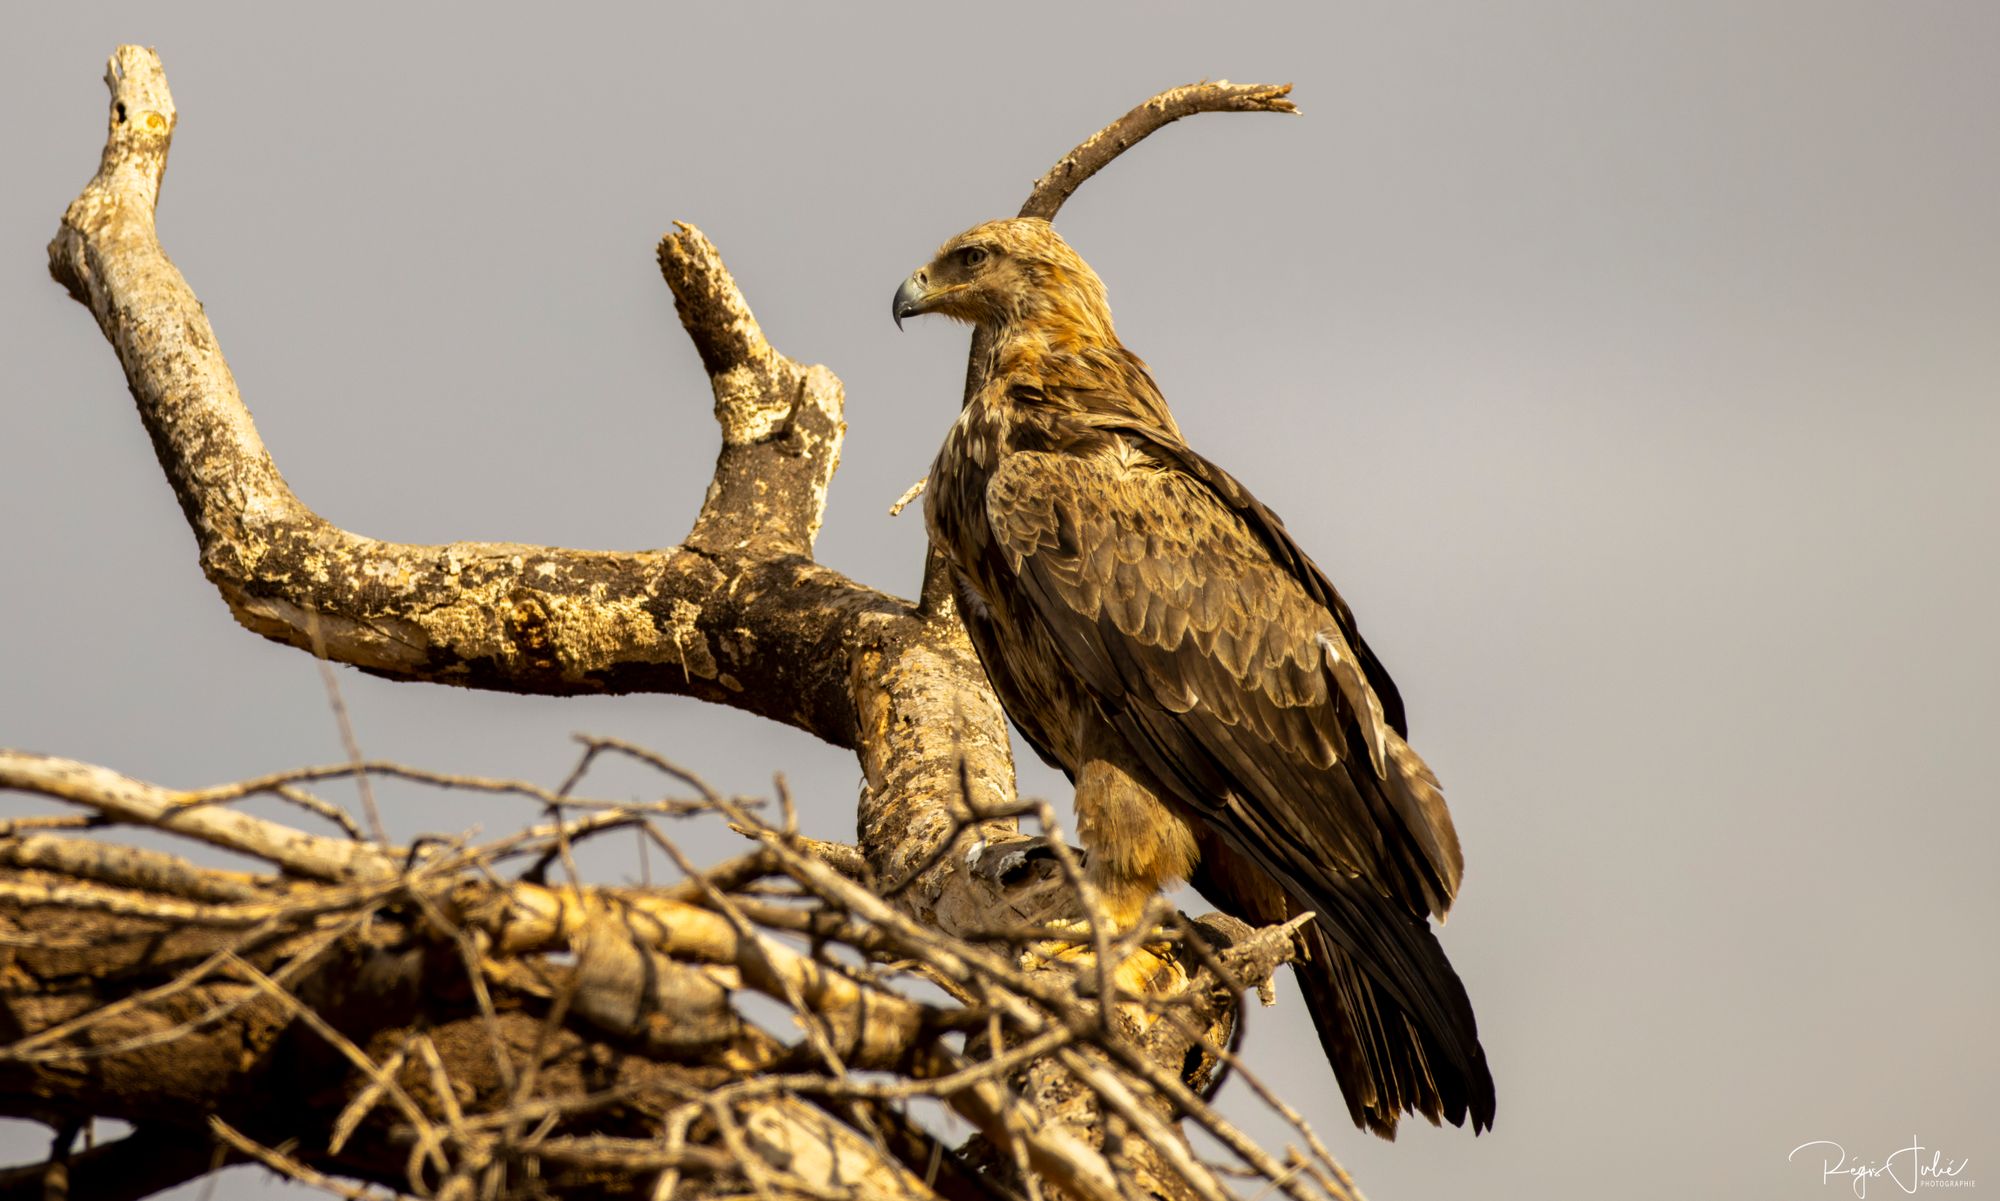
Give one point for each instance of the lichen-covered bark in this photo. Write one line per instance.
(737, 615)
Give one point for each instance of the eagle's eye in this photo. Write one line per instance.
(972, 256)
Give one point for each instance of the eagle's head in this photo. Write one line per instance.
(1007, 274)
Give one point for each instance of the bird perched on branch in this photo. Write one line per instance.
(1155, 633)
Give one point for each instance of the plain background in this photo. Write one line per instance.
(1631, 367)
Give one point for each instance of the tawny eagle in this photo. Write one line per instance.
(1156, 634)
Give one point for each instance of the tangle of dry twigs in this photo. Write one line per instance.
(461, 1024)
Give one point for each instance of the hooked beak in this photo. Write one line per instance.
(909, 300)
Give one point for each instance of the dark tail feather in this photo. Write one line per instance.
(1389, 1062)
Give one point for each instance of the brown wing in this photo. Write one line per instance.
(1270, 532)
(1230, 667)
(1167, 605)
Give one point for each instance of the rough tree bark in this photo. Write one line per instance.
(413, 1019)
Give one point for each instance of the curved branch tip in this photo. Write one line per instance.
(1097, 151)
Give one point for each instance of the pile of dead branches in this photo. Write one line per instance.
(473, 1020)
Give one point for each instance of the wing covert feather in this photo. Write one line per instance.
(1239, 679)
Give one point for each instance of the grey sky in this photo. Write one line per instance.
(1632, 368)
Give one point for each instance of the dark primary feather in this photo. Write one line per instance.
(1115, 581)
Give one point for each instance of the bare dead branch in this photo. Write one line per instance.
(134, 868)
(781, 423)
(291, 1169)
(1097, 151)
(348, 741)
(275, 782)
(127, 800)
